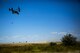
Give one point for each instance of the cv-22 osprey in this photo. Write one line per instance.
(15, 11)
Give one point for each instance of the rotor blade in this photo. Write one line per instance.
(19, 9)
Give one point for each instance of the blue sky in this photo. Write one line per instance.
(39, 20)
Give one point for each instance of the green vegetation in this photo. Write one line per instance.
(48, 47)
(66, 45)
(69, 40)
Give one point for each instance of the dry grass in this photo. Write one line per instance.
(37, 48)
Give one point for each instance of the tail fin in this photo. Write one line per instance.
(10, 9)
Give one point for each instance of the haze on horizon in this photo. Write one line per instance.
(39, 21)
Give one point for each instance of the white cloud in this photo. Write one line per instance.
(19, 38)
(54, 32)
(62, 33)
(59, 33)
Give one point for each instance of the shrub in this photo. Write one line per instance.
(52, 43)
(69, 40)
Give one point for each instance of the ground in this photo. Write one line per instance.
(38, 48)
